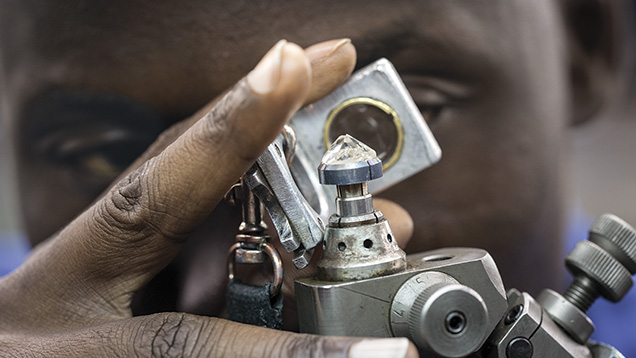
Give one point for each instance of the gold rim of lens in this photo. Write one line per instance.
(379, 104)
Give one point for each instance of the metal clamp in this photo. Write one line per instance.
(299, 227)
(277, 263)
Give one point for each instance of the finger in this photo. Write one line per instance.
(400, 220)
(331, 64)
(173, 192)
(118, 244)
(182, 335)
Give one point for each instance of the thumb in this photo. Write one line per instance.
(184, 335)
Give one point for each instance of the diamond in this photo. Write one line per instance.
(347, 149)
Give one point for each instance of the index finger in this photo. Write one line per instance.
(331, 64)
(124, 239)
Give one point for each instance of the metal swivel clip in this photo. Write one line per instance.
(252, 243)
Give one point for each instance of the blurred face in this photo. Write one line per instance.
(89, 87)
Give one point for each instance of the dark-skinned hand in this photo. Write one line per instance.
(72, 297)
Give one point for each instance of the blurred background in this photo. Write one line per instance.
(604, 165)
(7, 215)
(603, 168)
(10, 239)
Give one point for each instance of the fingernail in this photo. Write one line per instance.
(265, 76)
(387, 347)
(325, 49)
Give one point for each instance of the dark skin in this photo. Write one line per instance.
(493, 79)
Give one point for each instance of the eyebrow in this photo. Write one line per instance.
(418, 49)
(384, 42)
(58, 107)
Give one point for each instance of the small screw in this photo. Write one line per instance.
(513, 314)
(455, 322)
(519, 348)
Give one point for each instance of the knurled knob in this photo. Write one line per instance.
(448, 319)
(595, 269)
(602, 266)
(617, 238)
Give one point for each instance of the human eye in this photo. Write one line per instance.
(88, 138)
(93, 155)
(434, 96)
(430, 108)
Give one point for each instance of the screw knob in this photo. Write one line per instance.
(616, 237)
(595, 269)
(439, 315)
(602, 266)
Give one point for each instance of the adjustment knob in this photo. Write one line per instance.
(617, 238)
(594, 268)
(602, 266)
(439, 315)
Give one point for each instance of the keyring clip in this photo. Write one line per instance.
(277, 263)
